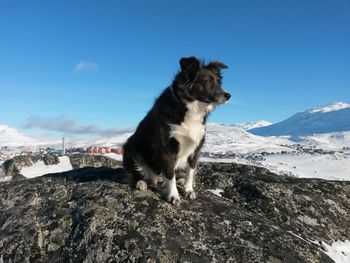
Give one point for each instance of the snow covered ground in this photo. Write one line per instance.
(330, 167)
(280, 154)
(230, 139)
(39, 168)
(321, 155)
(339, 251)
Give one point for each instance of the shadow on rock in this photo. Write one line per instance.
(92, 174)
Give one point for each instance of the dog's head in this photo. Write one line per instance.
(202, 82)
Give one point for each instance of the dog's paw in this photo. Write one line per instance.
(191, 194)
(181, 181)
(141, 185)
(175, 200)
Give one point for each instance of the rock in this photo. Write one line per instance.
(85, 215)
(18, 177)
(51, 159)
(13, 166)
(89, 160)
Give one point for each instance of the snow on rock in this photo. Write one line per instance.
(250, 224)
(324, 119)
(39, 168)
(114, 156)
(216, 191)
(339, 251)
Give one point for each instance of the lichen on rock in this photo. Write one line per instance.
(85, 215)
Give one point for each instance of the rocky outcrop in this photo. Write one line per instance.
(51, 159)
(11, 169)
(89, 160)
(85, 215)
(13, 166)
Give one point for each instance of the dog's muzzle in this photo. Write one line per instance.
(223, 97)
(227, 95)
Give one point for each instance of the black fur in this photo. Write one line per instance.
(151, 144)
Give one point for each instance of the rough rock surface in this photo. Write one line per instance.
(88, 160)
(84, 215)
(51, 159)
(13, 166)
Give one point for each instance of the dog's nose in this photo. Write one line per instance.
(227, 95)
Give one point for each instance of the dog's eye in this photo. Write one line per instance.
(206, 80)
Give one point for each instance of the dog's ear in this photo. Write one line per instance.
(216, 66)
(190, 65)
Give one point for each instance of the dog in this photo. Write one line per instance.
(167, 142)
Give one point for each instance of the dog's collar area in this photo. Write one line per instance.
(174, 95)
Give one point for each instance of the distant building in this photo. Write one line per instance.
(102, 150)
(118, 151)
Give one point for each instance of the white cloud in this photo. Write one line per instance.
(85, 66)
(64, 123)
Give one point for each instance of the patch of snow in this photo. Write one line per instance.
(339, 251)
(216, 191)
(307, 241)
(5, 179)
(227, 222)
(114, 156)
(39, 168)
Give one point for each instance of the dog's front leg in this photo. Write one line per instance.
(190, 172)
(189, 183)
(172, 194)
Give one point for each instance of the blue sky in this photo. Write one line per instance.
(97, 66)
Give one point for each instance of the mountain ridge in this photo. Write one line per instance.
(332, 117)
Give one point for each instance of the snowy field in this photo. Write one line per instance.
(280, 154)
(234, 144)
(312, 154)
(329, 167)
(39, 168)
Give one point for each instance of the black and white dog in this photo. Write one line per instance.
(166, 143)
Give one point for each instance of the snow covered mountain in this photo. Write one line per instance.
(334, 117)
(252, 124)
(12, 137)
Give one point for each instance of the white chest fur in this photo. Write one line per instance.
(190, 132)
